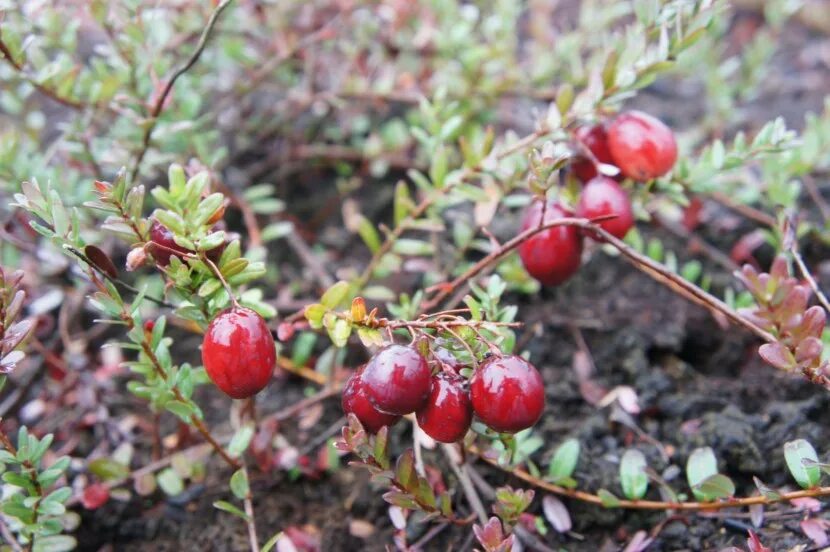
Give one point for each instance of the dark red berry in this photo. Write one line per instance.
(163, 246)
(447, 414)
(642, 146)
(397, 380)
(553, 255)
(356, 402)
(603, 196)
(596, 140)
(507, 393)
(238, 352)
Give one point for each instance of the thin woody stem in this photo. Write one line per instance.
(652, 504)
(652, 268)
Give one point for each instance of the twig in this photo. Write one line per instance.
(651, 504)
(310, 259)
(461, 472)
(645, 264)
(747, 211)
(802, 267)
(46, 91)
(251, 521)
(159, 105)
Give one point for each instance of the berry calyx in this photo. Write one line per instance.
(595, 138)
(355, 401)
(397, 380)
(553, 255)
(238, 352)
(642, 146)
(507, 393)
(162, 244)
(448, 412)
(603, 196)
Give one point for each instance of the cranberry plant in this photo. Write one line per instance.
(415, 106)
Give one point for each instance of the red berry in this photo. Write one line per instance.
(447, 414)
(149, 325)
(95, 496)
(553, 255)
(507, 393)
(603, 196)
(595, 139)
(238, 352)
(397, 380)
(356, 402)
(163, 245)
(642, 146)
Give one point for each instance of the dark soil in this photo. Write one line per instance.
(699, 384)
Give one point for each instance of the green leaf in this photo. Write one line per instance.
(795, 453)
(408, 246)
(403, 202)
(239, 484)
(240, 441)
(369, 234)
(701, 465)
(715, 487)
(564, 460)
(608, 499)
(183, 410)
(339, 332)
(370, 337)
(314, 314)
(108, 469)
(231, 509)
(405, 469)
(633, 478)
(439, 166)
(170, 482)
(54, 543)
(270, 543)
(336, 295)
(207, 208)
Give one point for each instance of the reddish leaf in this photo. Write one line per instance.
(777, 355)
(816, 530)
(95, 496)
(101, 260)
(557, 514)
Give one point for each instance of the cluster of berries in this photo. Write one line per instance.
(506, 393)
(641, 147)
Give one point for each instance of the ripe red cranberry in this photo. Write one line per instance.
(507, 393)
(356, 402)
(603, 196)
(642, 146)
(162, 245)
(447, 414)
(149, 325)
(397, 380)
(553, 255)
(238, 352)
(595, 139)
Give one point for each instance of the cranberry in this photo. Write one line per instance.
(507, 393)
(602, 196)
(163, 246)
(149, 325)
(595, 139)
(553, 255)
(356, 402)
(447, 414)
(397, 380)
(238, 352)
(642, 146)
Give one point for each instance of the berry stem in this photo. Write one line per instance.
(218, 273)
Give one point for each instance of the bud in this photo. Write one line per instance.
(136, 258)
(358, 309)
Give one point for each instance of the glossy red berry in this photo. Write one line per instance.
(507, 393)
(238, 352)
(553, 255)
(603, 196)
(595, 139)
(448, 412)
(162, 245)
(397, 380)
(356, 402)
(642, 146)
